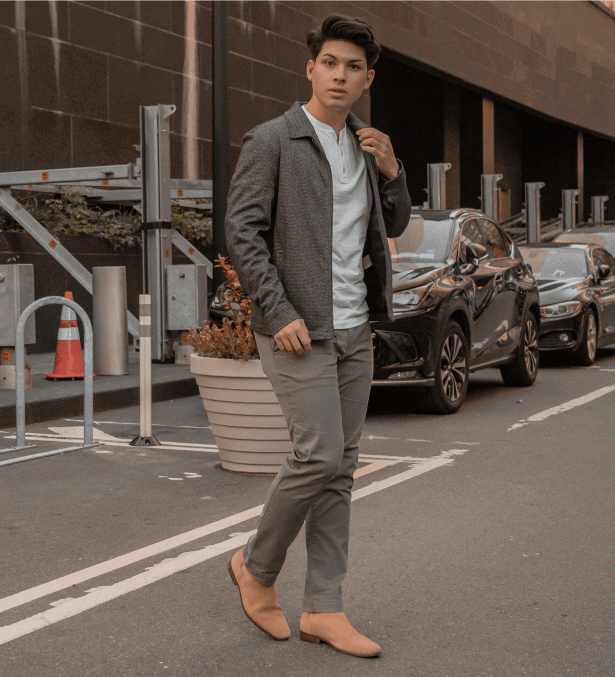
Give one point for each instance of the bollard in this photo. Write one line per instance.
(109, 310)
(145, 437)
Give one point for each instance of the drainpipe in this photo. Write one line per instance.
(220, 135)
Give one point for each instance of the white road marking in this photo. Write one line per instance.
(561, 408)
(130, 558)
(185, 560)
(212, 449)
(159, 425)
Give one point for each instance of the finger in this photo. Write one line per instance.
(279, 342)
(296, 343)
(304, 337)
(286, 344)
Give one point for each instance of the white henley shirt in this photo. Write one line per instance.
(351, 210)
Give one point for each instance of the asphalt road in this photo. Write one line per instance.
(485, 546)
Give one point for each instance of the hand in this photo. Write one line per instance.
(294, 338)
(379, 145)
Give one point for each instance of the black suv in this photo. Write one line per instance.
(463, 299)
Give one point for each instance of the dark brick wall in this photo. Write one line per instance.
(73, 80)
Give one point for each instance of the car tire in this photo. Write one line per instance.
(451, 373)
(522, 372)
(585, 354)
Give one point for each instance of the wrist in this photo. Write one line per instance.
(391, 172)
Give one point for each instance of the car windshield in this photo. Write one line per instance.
(554, 264)
(424, 242)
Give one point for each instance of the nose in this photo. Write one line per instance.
(340, 73)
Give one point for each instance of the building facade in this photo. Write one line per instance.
(525, 89)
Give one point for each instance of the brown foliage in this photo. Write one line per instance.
(234, 339)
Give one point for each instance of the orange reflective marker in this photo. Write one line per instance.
(45, 176)
(105, 182)
(6, 355)
(167, 253)
(180, 192)
(191, 251)
(53, 244)
(185, 338)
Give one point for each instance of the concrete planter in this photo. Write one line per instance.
(244, 413)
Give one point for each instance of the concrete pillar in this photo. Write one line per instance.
(581, 177)
(488, 137)
(451, 146)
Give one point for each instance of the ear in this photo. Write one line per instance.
(309, 69)
(369, 80)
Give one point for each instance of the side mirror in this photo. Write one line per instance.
(475, 251)
(603, 271)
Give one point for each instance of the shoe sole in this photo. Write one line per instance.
(234, 579)
(317, 640)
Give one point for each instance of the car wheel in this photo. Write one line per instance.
(451, 373)
(586, 352)
(523, 371)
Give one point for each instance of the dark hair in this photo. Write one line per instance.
(339, 27)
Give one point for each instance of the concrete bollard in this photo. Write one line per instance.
(110, 320)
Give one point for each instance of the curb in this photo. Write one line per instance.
(49, 410)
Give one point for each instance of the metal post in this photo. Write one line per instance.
(156, 202)
(88, 392)
(145, 437)
(221, 153)
(598, 208)
(489, 194)
(436, 184)
(569, 208)
(109, 318)
(532, 211)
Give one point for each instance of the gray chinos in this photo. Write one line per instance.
(324, 398)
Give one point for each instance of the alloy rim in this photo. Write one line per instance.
(453, 367)
(531, 347)
(592, 336)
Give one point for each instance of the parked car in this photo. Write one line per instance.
(576, 283)
(602, 235)
(464, 299)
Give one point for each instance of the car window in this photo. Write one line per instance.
(497, 246)
(603, 258)
(551, 263)
(471, 233)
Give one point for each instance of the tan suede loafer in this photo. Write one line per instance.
(335, 630)
(259, 602)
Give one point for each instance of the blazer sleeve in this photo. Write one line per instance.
(249, 217)
(395, 201)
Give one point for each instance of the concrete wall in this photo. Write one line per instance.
(74, 73)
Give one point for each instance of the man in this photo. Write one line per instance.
(313, 199)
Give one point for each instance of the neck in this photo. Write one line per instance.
(329, 116)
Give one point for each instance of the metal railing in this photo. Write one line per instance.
(88, 394)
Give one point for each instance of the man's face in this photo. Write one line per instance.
(339, 76)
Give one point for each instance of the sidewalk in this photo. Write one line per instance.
(48, 400)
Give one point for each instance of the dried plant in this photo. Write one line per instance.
(234, 339)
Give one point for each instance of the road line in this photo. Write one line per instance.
(136, 424)
(372, 467)
(105, 443)
(185, 560)
(561, 408)
(137, 555)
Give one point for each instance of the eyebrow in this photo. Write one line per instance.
(349, 60)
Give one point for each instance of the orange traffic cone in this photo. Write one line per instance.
(69, 360)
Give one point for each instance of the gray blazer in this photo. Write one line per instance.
(279, 226)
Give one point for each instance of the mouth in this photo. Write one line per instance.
(338, 91)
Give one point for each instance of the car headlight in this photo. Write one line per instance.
(560, 309)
